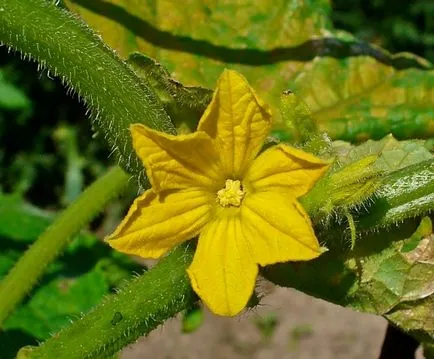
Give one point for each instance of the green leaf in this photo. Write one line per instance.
(358, 97)
(12, 97)
(165, 31)
(223, 33)
(399, 285)
(392, 154)
(72, 285)
(20, 220)
(57, 302)
(354, 90)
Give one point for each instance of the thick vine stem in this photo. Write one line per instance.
(23, 276)
(139, 307)
(69, 49)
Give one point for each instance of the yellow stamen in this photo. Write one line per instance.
(231, 195)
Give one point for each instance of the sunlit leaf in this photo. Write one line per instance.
(392, 154)
(355, 91)
(358, 97)
(195, 41)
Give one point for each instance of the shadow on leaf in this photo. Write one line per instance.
(330, 46)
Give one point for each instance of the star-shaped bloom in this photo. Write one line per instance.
(213, 183)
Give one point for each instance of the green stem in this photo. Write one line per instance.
(70, 50)
(23, 276)
(406, 193)
(140, 306)
(403, 195)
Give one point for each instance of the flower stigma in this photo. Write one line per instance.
(231, 195)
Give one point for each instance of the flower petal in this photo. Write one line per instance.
(278, 229)
(155, 224)
(239, 122)
(223, 272)
(284, 167)
(177, 162)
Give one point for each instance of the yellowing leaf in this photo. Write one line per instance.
(355, 93)
(196, 40)
(357, 98)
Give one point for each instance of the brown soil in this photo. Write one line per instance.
(306, 328)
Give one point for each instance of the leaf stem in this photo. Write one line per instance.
(23, 276)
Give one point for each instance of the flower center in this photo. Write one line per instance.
(231, 195)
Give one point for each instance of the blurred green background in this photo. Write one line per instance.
(395, 25)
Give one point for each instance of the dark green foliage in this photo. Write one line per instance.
(397, 25)
(45, 137)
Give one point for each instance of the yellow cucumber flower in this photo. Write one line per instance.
(212, 183)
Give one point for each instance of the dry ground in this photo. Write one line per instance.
(306, 328)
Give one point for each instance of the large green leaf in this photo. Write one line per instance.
(398, 284)
(354, 93)
(196, 40)
(71, 287)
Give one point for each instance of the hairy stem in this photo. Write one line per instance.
(23, 276)
(140, 306)
(69, 49)
(406, 193)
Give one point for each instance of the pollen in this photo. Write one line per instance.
(231, 195)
